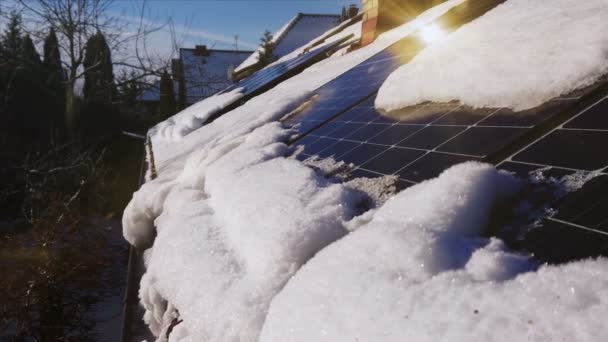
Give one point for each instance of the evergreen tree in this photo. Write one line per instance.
(30, 58)
(55, 83)
(52, 57)
(167, 104)
(266, 55)
(99, 76)
(344, 14)
(99, 115)
(11, 39)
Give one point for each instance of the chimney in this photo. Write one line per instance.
(200, 50)
(382, 15)
(353, 10)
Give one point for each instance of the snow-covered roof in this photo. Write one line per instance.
(246, 240)
(299, 30)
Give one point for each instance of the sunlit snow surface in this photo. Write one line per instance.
(231, 219)
(518, 55)
(419, 271)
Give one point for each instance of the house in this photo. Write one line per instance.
(203, 71)
(441, 178)
(301, 29)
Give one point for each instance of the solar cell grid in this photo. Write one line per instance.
(274, 72)
(568, 148)
(414, 143)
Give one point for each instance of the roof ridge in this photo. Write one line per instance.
(290, 25)
(296, 19)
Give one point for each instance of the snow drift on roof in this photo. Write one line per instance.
(518, 55)
(419, 271)
(299, 30)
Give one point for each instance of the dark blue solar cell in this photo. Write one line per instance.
(431, 137)
(346, 129)
(529, 117)
(464, 116)
(554, 242)
(431, 165)
(482, 141)
(362, 154)
(307, 140)
(366, 132)
(338, 149)
(361, 114)
(595, 117)
(394, 134)
(327, 129)
(318, 145)
(581, 150)
(587, 206)
(307, 126)
(392, 160)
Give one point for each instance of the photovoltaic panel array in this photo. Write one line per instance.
(420, 141)
(275, 73)
(272, 75)
(366, 78)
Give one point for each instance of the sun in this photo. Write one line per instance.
(432, 33)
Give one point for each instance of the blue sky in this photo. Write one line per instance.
(216, 22)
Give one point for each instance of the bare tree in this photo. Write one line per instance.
(75, 21)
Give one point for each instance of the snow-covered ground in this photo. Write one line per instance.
(246, 243)
(519, 55)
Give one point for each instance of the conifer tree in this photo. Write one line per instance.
(29, 56)
(99, 76)
(11, 39)
(266, 55)
(167, 104)
(55, 83)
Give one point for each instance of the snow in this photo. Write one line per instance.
(518, 55)
(328, 38)
(232, 218)
(193, 117)
(227, 243)
(419, 270)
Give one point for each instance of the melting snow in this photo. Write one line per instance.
(418, 270)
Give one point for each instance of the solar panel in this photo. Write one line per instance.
(419, 142)
(274, 73)
(365, 79)
(577, 145)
